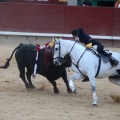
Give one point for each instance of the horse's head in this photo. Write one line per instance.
(59, 52)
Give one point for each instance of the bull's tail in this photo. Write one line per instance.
(8, 60)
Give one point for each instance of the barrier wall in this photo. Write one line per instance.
(37, 18)
(31, 18)
(94, 20)
(116, 22)
(59, 19)
(38, 1)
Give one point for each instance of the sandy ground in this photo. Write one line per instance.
(16, 103)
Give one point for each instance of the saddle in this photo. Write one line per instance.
(103, 58)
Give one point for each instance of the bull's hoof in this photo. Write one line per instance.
(27, 86)
(28, 89)
(33, 90)
(56, 91)
(32, 87)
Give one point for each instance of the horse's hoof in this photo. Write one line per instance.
(94, 105)
(75, 91)
(69, 91)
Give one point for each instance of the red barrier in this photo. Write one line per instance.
(25, 17)
(38, 1)
(32, 18)
(94, 20)
(116, 22)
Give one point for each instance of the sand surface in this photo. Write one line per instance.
(16, 103)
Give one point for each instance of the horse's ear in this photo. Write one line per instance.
(55, 39)
(51, 44)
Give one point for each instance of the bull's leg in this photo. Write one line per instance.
(28, 74)
(22, 75)
(56, 91)
(64, 77)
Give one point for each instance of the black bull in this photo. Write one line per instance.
(25, 57)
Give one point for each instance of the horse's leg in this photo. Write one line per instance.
(93, 88)
(73, 77)
(28, 74)
(64, 77)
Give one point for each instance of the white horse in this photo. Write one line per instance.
(85, 63)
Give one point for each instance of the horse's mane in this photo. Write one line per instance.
(73, 41)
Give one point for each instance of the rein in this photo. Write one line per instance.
(67, 54)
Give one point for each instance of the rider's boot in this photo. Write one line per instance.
(113, 61)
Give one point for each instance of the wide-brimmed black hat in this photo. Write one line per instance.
(74, 32)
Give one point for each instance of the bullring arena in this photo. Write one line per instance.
(42, 104)
(34, 22)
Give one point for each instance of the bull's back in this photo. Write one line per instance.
(26, 55)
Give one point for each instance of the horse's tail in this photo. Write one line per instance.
(8, 60)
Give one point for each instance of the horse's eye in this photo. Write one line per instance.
(56, 49)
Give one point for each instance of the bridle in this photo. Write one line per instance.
(61, 59)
